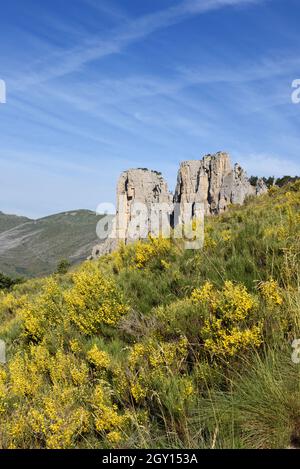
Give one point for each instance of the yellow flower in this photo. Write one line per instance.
(227, 332)
(93, 300)
(75, 346)
(114, 437)
(138, 391)
(44, 311)
(25, 377)
(137, 352)
(189, 389)
(203, 294)
(98, 358)
(146, 251)
(238, 302)
(226, 235)
(271, 293)
(79, 374)
(3, 389)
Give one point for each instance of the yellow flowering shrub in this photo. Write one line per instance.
(222, 342)
(137, 352)
(114, 437)
(44, 311)
(138, 389)
(16, 430)
(63, 419)
(3, 389)
(59, 419)
(107, 416)
(25, 377)
(10, 303)
(98, 358)
(40, 356)
(226, 235)
(203, 294)
(153, 360)
(67, 369)
(271, 293)
(79, 373)
(155, 248)
(120, 381)
(165, 265)
(65, 430)
(93, 300)
(75, 346)
(234, 302)
(209, 242)
(167, 354)
(230, 327)
(153, 355)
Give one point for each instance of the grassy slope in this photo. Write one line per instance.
(34, 248)
(83, 371)
(7, 222)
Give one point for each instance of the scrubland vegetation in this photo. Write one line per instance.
(158, 346)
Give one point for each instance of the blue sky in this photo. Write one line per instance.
(95, 87)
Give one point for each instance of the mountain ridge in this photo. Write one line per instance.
(33, 248)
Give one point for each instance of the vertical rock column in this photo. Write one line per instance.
(139, 192)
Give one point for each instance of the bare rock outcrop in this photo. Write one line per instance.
(215, 183)
(261, 187)
(138, 186)
(211, 183)
(138, 193)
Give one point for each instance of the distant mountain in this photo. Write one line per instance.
(10, 221)
(34, 247)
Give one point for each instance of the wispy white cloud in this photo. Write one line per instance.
(109, 9)
(95, 48)
(50, 163)
(128, 101)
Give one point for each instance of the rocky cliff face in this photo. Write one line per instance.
(212, 182)
(138, 190)
(138, 186)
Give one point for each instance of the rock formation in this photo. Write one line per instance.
(138, 186)
(138, 190)
(261, 187)
(211, 183)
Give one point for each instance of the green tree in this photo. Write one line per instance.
(7, 282)
(253, 180)
(63, 266)
(286, 180)
(269, 181)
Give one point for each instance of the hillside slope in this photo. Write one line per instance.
(34, 247)
(8, 222)
(155, 346)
